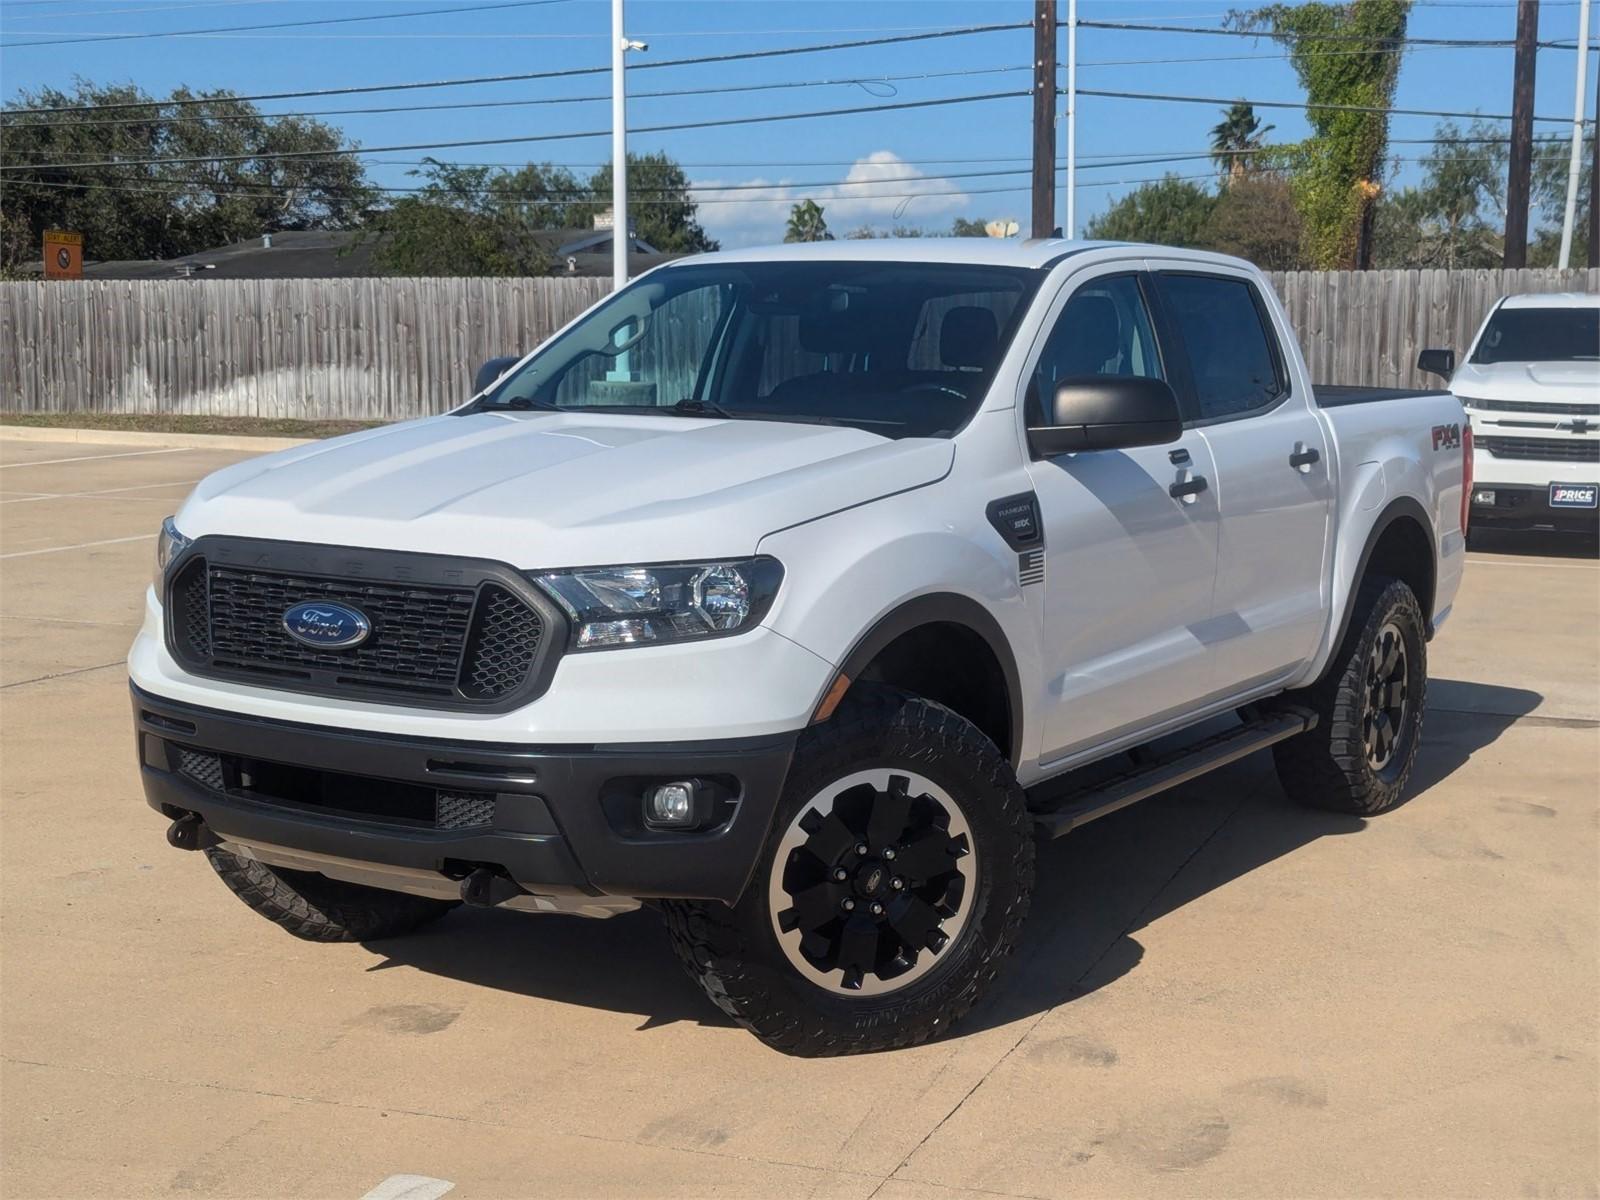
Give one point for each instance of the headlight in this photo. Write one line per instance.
(169, 544)
(629, 606)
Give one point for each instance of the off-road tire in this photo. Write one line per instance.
(320, 909)
(734, 955)
(1327, 767)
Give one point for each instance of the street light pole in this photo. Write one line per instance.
(619, 151)
(1072, 118)
(1574, 165)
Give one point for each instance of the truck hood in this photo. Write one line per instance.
(561, 489)
(1528, 383)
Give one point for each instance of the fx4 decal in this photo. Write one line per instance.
(1447, 437)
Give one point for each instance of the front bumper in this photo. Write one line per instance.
(564, 818)
(1518, 506)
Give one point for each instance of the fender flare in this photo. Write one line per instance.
(943, 608)
(1401, 506)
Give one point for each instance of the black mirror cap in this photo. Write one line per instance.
(1107, 412)
(492, 370)
(1438, 362)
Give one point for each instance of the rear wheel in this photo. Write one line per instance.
(892, 887)
(320, 909)
(1369, 705)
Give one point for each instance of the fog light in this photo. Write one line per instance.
(1483, 496)
(670, 805)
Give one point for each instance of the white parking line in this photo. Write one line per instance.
(1527, 563)
(409, 1187)
(138, 537)
(138, 487)
(51, 462)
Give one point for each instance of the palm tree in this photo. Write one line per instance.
(1236, 138)
(806, 224)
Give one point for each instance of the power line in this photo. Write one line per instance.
(567, 73)
(1296, 104)
(389, 16)
(1375, 43)
(862, 81)
(718, 123)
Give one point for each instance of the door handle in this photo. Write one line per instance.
(1188, 488)
(1304, 456)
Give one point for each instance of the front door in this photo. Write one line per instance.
(1130, 565)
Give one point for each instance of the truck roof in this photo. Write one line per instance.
(985, 251)
(1553, 300)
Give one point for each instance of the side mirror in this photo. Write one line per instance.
(1438, 362)
(1107, 412)
(492, 370)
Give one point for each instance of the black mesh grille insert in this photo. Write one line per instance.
(444, 632)
(205, 769)
(1549, 449)
(463, 810)
(505, 641)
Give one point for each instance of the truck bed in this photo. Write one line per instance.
(1338, 395)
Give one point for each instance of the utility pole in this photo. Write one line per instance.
(1044, 118)
(1520, 169)
(1575, 160)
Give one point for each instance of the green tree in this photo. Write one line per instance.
(144, 210)
(1450, 219)
(1338, 171)
(806, 224)
(462, 221)
(1255, 218)
(968, 227)
(1551, 157)
(1237, 141)
(1173, 212)
(660, 206)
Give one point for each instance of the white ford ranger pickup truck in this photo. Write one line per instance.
(1531, 387)
(795, 592)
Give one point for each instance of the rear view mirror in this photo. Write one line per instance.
(492, 370)
(1438, 362)
(1107, 412)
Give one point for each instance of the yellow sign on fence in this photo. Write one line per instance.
(63, 254)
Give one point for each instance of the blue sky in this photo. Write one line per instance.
(915, 151)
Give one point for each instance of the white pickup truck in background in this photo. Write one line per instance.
(795, 591)
(1531, 388)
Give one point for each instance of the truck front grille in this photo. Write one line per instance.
(1546, 449)
(1542, 407)
(442, 637)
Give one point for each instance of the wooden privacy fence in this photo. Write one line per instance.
(386, 349)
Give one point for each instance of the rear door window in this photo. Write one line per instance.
(1232, 351)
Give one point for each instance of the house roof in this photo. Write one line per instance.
(342, 254)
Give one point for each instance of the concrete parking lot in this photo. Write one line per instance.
(1219, 994)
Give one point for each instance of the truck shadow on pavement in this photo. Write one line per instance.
(1096, 890)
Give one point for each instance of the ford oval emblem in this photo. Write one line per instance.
(326, 626)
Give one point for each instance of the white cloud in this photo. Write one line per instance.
(881, 189)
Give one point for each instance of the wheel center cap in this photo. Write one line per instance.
(869, 879)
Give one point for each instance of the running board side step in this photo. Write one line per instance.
(1169, 770)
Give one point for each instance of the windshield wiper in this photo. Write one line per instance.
(701, 408)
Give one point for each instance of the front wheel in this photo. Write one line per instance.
(892, 886)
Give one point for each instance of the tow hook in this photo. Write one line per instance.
(486, 887)
(190, 832)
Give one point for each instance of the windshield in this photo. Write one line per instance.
(1540, 335)
(899, 349)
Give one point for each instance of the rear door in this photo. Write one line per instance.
(1130, 565)
(1274, 482)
